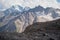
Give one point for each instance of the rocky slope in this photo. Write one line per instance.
(49, 26)
(16, 21)
(37, 31)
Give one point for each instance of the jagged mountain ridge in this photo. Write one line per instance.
(22, 19)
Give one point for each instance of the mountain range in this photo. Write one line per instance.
(17, 18)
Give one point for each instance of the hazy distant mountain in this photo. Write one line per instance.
(18, 18)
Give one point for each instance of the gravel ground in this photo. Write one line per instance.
(39, 35)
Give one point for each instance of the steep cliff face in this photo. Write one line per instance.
(18, 21)
(28, 19)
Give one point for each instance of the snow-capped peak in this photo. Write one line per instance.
(17, 7)
(33, 15)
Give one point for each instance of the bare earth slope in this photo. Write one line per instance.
(37, 31)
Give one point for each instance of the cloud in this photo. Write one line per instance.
(44, 3)
(30, 3)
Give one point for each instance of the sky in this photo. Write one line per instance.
(58, 1)
(30, 3)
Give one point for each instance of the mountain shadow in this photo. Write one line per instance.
(37, 31)
(44, 26)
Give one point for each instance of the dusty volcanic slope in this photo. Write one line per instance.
(16, 21)
(37, 31)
